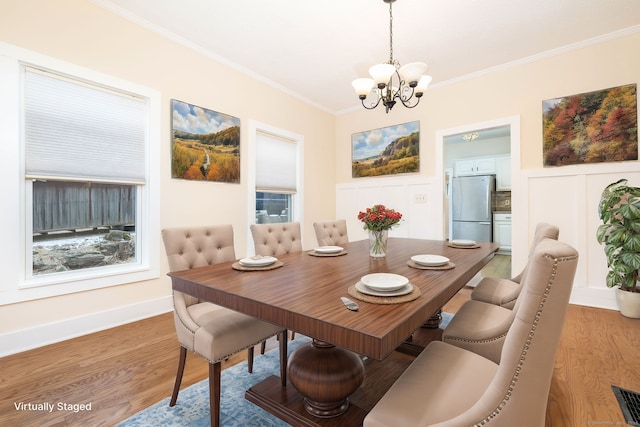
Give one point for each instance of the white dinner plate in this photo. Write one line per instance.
(463, 242)
(384, 282)
(430, 260)
(328, 249)
(257, 261)
(404, 290)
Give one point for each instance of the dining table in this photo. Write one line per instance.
(302, 293)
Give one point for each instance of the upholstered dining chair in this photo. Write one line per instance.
(504, 292)
(331, 233)
(481, 326)
(207, 329)
(466, 389)
(276, 238)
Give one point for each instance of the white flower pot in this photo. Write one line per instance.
(629, 303)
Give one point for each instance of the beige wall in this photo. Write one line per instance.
(79, 32)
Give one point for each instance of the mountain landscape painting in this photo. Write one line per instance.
(600, 126)
(386, 151)
(205, 144)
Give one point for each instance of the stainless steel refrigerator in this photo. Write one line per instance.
(472, 217)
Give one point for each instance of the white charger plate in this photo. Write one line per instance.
(328, 249)
(429, 260)
(463, 242)
(406, 289)
(257, 261)
(384, 282)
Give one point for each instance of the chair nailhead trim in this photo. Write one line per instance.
(527, 345)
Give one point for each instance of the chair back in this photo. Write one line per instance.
(331, 233)
(543, 231)
(520, 388)
(276, 238)
(191, 247)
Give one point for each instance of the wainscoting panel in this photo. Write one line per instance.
(568, 197)
(412, 196)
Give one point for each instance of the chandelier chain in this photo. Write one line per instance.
(390, 32)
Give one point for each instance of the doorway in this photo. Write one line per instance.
(483, 143)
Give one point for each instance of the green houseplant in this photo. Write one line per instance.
(619, 210)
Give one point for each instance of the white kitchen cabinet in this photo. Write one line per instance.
(502, 231)
(475, 166)
(503, 173)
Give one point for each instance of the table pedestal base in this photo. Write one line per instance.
(434, 321)
(325, 375)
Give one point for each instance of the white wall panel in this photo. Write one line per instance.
(568, 197)
(405, 195)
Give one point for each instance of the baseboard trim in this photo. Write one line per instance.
(597, 298)
(41, 335)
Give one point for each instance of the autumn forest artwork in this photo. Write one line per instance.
(205, 144)
(385, 151)
(593, 127)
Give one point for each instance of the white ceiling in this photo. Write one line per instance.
(314, 49)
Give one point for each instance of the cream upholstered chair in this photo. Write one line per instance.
(482, 327)
(504, 292)
(331, 233)
(466, 389)
(209, 330)
(273, 239)
(276, 238)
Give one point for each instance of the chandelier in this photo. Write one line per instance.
(390, 82)
(470, 136)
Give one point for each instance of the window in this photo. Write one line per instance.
(276, 178)
(276, 195)
(84, 158)
(82, 148)
(273, 207)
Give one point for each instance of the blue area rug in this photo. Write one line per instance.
(192, 408)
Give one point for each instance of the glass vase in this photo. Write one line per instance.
(378, 243)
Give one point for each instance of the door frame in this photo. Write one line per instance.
(519, 228)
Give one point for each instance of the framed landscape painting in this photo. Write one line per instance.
(386, 151)
(593, 127)
(205, 144)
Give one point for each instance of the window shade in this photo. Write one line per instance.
(75, 130)
(276, 161)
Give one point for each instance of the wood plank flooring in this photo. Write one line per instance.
(123, 370)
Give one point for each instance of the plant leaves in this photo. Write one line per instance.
(630, 211)
(631, 259)
(632, 244)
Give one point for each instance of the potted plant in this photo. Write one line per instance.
(619, 210)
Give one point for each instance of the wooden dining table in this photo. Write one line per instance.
(303, 295)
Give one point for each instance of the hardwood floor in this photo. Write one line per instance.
(123, 370)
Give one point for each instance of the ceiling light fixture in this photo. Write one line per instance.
(411, 80)
(470, 136)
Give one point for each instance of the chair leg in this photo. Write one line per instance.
(214, 393)
(176, 386)
(263, 346)
(250, 353)
(283, 357)
(293, 335)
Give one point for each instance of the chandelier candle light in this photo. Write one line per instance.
(377, 221)
(410, 85)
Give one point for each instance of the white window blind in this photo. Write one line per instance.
(75, 130)
(276, 160)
